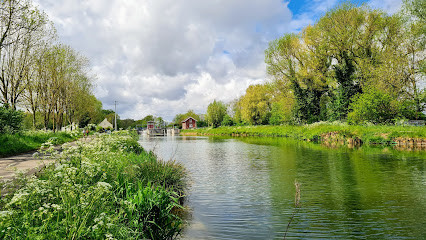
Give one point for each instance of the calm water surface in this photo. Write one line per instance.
(243, 188)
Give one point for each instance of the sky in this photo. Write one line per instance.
(164, 57)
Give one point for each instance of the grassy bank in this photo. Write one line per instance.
(109, 188)
(12, 144)
(322, 132)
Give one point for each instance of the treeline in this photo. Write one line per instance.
(141, 123)
(354, 64)
(50, 80)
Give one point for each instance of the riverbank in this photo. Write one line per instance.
(25, 141)
(327, 132)
(108, 188)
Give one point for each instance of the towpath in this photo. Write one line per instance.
(27, 163)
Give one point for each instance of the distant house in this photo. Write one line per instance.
(150, 125)
(189, 123)
(105, 124)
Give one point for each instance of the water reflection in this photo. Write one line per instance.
(243, 189)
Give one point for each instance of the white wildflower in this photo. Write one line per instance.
(36, 155)
(109, 236)
(18, 198)
(4, 214)
(104, 185)
(56, 207)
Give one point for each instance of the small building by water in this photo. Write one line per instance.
(189, 123)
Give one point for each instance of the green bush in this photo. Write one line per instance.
(227, 121)
(10, 120)
(373, 106)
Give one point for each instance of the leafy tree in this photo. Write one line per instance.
(349, 50)
(227, 121)
(284, 57)
(215, 113)
(126, 123)
(202, 123)
(142, 123)
(255, 105)
(159, 121)
(234, 111)
(21, 28)
(412, 58)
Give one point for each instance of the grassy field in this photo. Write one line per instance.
(25, 141)
(321, 132)
(109, 188)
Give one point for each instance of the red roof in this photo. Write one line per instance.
(188, 119)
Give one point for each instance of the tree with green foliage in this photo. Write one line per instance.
(21, 29)
(159, 121)
(284, 57)
(126, 123)
(256, 105)
(413, 57)
(215, 113)
(349, 50)
(277, 114)
(227, 121)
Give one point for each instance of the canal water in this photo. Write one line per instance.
(243, 188)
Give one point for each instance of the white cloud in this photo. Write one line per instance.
(389, 6)
(164, 57)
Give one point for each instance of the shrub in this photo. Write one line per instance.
(373, 106)
(227, 121)
(10, 120)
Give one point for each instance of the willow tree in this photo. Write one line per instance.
(298, 73)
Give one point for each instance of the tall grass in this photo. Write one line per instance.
(11, 144)
(109, 188)
(318, 131)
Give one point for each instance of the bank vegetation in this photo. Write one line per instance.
(109, 188)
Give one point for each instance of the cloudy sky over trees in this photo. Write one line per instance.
(164, 57)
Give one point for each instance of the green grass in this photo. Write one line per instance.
(317, 131)
(109, 188)
(12, 144)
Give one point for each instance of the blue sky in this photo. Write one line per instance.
(164, 57)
